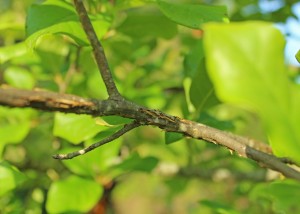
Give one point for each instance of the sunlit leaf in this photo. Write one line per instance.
(75, 128)
(74, 194)
(16, 121)
(298, 56)
(12, 51)
(246, 64)
(53, 52)
(19, 77)
(59, 17)
(10, 177)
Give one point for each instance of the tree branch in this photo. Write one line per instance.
(116, 135)
(50, 101)
(117, 105)
(46, 101)
(98, 50)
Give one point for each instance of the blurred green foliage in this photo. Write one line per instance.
(227, 81)
(251, 72)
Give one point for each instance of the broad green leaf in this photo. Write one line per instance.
(53, 54)
(284, 195)
(204, 97)
(59, 17)
(12, 51)
(147, 22)
(19, 77)
(246, 64)
(16, 121)
(10, 177)
(116, 120)
(298, 56)
(95, 84)
(74, 194)
(75, 128)
(218, 207)
(11, 30)
(192, 15)
(126, 4)
(194, 58)
(177, 184)
(135, 163)
(171, 137)
(213, 121)
(200, 92)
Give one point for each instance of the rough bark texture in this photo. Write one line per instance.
(50, 101)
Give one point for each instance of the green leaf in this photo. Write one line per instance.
(171, 137)
(10, 177)
(116, 120)
(194, 58)
(10, 29)
(199, 92)
(19, 77)
(210, 120)
(298, 56)
(284, 195)
(193, 15)
(246, 64)
(15, 125)
(75, 128)
(74, 194)
(147, 22)
(202, 93)
(59, 17)
(177, 184)
(94, 80)
(135, 163)
(53, 55)
(12, 51)
(218, 207)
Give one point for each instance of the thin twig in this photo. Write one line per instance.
(98, 50)
(272, 162)
(116, 135)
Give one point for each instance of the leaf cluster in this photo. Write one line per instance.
(180, 57)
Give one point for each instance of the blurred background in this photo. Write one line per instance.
(154, 62)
